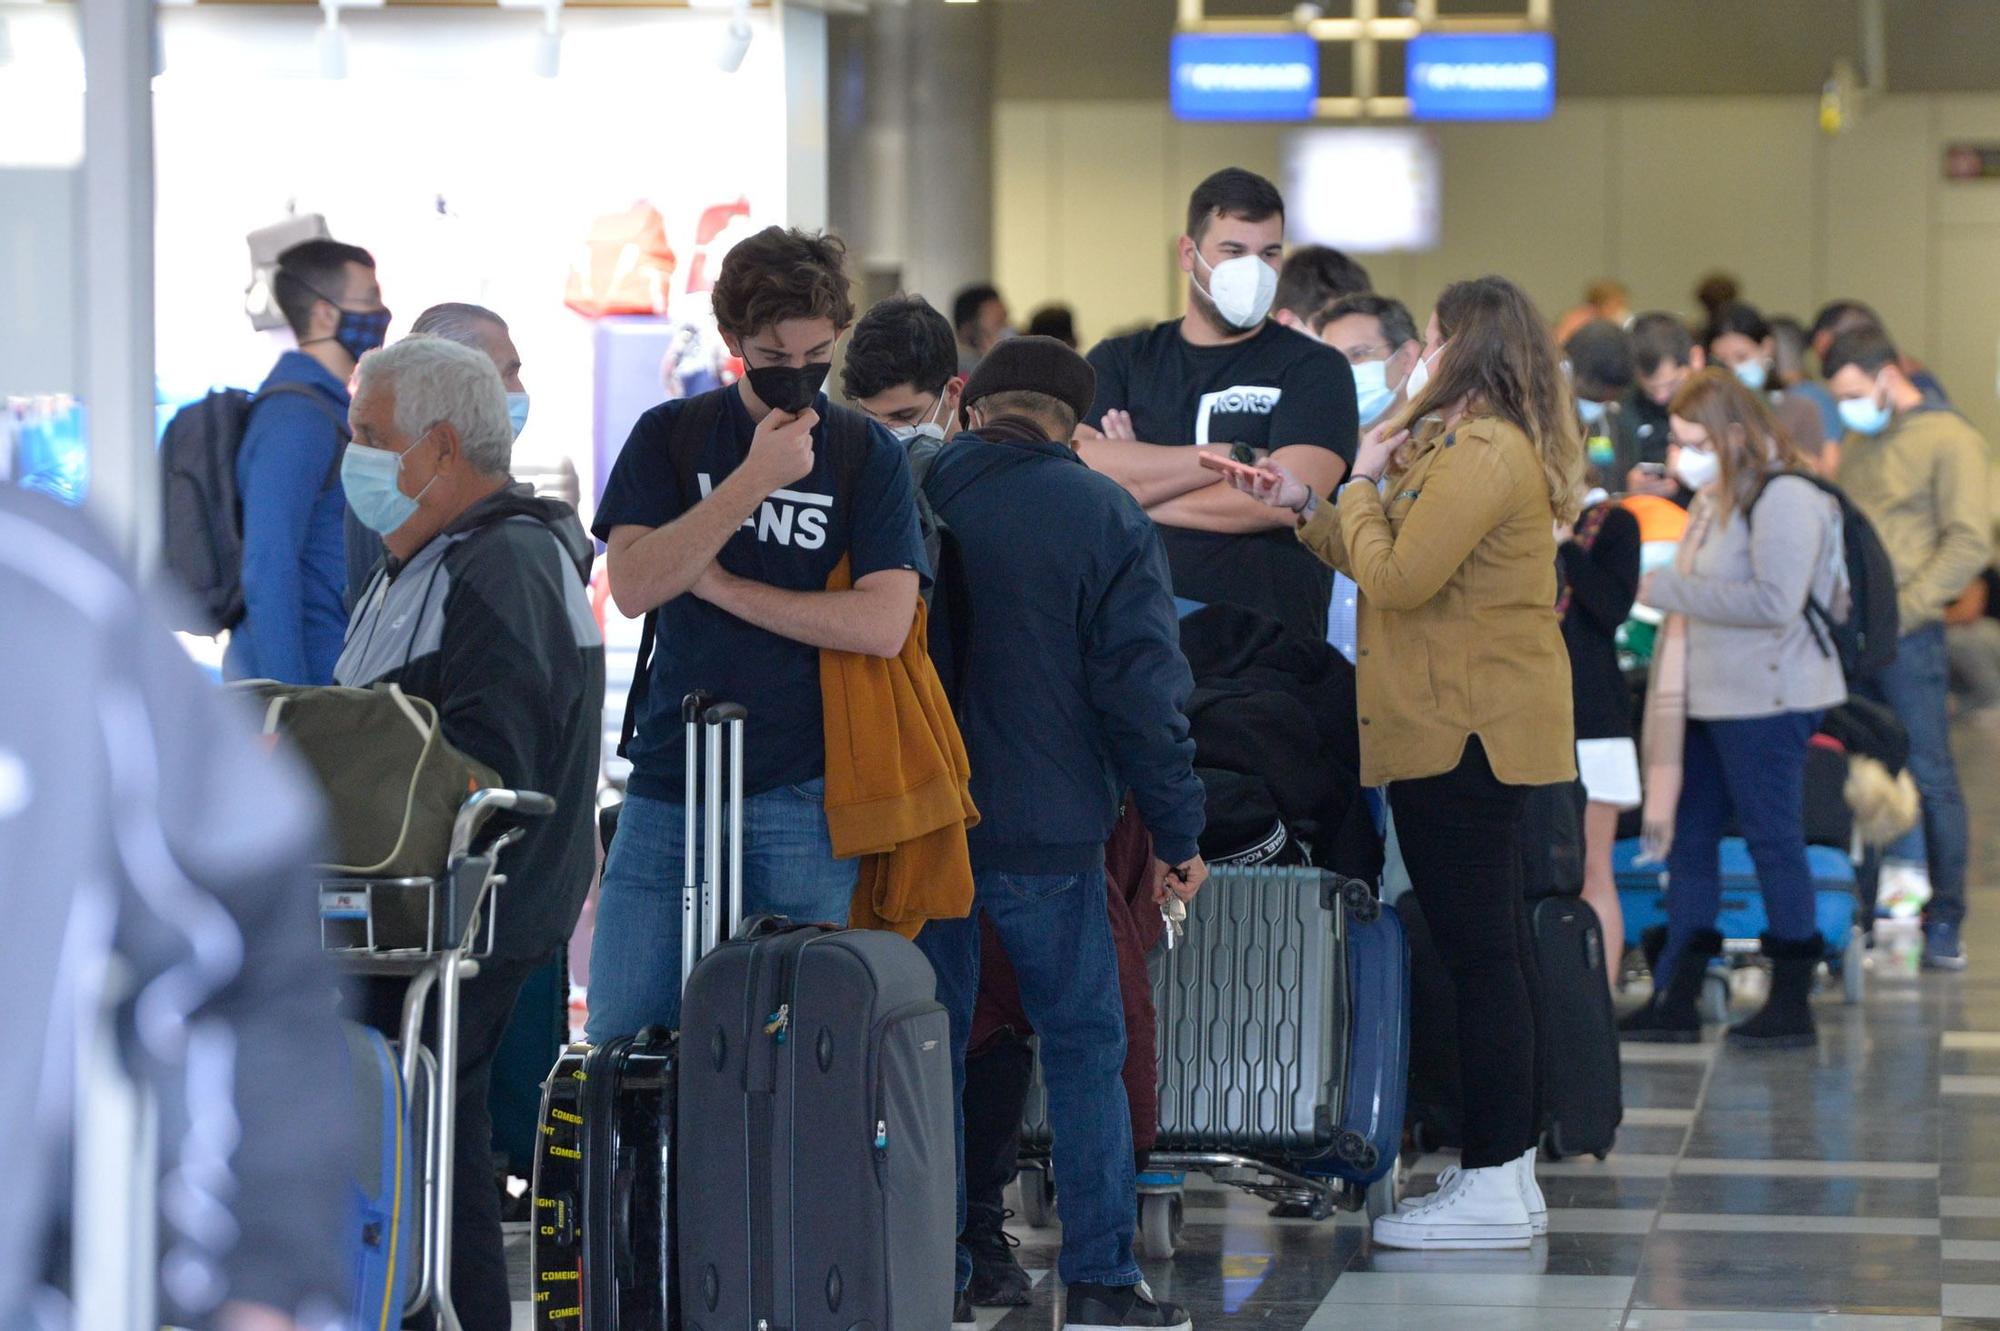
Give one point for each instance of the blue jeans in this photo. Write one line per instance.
(1758, 768)
(1915, 687)
(1055, 931)
(635, 952)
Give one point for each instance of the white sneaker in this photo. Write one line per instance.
(1531, 1194)
(1473, 1208)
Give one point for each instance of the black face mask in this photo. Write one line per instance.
(788, 389)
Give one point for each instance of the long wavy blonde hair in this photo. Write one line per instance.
(1498, 358)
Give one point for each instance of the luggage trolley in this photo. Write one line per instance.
(432, 932)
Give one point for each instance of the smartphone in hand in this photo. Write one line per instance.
(1231, 467)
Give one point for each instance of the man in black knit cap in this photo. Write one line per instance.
(1074, 691)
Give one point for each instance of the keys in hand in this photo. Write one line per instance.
(1174, 912)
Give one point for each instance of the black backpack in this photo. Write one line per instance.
(201, 514)
(1865, 639)
(846, 435)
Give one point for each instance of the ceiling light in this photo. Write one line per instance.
(331, 41)
(735, 39)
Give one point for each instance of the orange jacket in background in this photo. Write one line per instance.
(898, 783)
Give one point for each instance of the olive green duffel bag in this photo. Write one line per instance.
(392, 782)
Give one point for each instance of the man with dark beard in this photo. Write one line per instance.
(1223, 380)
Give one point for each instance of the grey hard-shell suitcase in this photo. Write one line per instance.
(1284, 1024)
(816, 1080)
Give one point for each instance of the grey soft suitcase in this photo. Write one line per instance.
(818, 1191)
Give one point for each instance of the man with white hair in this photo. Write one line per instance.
(472, 326)
(479, 608)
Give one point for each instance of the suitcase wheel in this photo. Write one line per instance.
(1554, 1148)
(1356, 1151)
(1160, 1221)
(1361, 903)
(1038, 1196)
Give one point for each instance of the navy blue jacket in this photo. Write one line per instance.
(294, 543)
(1075, 687)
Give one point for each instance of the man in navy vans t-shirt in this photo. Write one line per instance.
(733, 547)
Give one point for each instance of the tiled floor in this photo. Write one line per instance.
(1855, 1188)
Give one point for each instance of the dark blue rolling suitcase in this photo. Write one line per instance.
(816, 1079)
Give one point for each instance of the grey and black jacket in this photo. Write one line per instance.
(491, 622)
(153, 864)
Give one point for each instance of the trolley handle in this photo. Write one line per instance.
(480, 807)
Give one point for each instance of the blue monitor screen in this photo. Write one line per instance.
(1482, 76)
(1235, 76)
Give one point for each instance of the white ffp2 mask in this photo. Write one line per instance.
(1242, 289)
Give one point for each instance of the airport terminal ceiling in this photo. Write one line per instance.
(1607, 48)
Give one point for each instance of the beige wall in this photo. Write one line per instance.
(1653, 190)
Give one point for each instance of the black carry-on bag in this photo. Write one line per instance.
(1576, 1037)
(816, 1077)
(603, 1239)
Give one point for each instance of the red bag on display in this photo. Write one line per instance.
(627, 266)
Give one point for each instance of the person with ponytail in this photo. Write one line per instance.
(1740, 679)
(1448, 528)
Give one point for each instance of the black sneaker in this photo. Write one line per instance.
(961, 1314)
(997, 1274)
(997, 1278)
(1115, 1307)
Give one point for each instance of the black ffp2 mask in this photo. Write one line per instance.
(788, 388)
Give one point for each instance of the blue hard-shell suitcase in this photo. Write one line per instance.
(1642, 891)
(383, 1199)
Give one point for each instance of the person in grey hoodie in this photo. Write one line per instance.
(479, 607)
(155, 876)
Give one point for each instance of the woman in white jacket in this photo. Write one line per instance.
(1738, 687)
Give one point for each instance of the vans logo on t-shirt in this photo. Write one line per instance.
(789, 517)
(1240, 400)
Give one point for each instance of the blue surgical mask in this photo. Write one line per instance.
(517, 412)
(1754, 374)
(1592, 412)
(368, 475)
(1864, 415)
(1372, 394)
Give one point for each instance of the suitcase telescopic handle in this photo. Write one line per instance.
(692, 708)
(729, 718)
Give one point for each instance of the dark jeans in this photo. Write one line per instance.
(486, 1005)
(1757, 768)
(1915, 687)
(1056, 933)
(1460, 837)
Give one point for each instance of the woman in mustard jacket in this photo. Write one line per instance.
(1447, 526)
